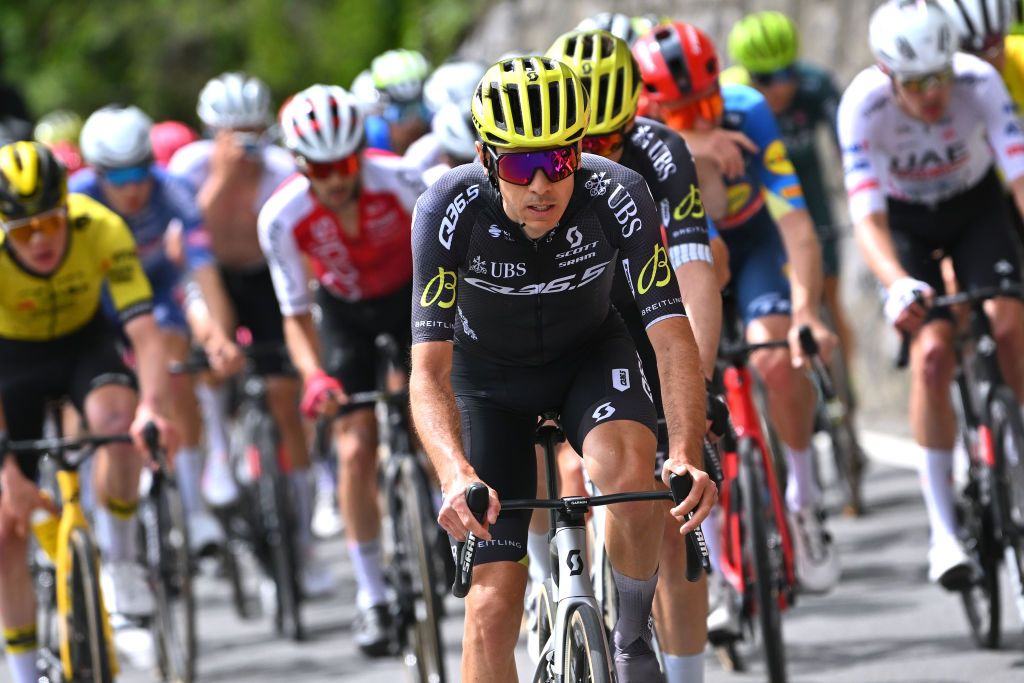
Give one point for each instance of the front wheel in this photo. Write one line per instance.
(85, 638)
(981, 598)
(415, 570)
(1008, 442)
(585, 655)
(766, 587)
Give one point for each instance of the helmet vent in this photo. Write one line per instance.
(620, 85)
(570, 103)
(536, 109)
(602, 101)
(555, 106)
(515, 107)
(497, 111)
(905, 50)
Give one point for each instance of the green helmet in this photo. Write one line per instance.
(764, 42)
(1017, 22)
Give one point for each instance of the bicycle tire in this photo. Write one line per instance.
(238, 566)
(981, 600)
(1008, 427)
(276, 528)
(170, 572)
(849, 463)
(415, 571)
(91, 654)
(585, 655)
(755, 537)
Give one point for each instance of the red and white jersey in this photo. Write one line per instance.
(887, 153)
(374, 262)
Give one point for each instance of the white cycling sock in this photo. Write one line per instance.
(365, 558)
(302, 494)
(540, 556)
(801, 487)
(710, 527)
(23, 666)
(635, 599)
(684, 668)
(188, 470)
(213, 406)
(117, 532)
(935, 469)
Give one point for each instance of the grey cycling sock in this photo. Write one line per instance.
(635, 599)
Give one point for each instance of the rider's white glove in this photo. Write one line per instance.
(901, 295)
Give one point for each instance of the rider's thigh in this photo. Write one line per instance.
(1007, 318)
(355, 437)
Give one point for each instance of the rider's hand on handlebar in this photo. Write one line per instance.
(825, 338)
(903, 307)
(457, 519)
(168, 433)
(701, 500)
(225, 358)
(322, 395)
(21, 496)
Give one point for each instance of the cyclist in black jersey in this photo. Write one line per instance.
(662, 158)
(513, 262)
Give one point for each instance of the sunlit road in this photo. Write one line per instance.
(884, 623)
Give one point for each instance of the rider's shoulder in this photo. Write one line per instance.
(971, 71)
(278, 161)
(739, 98)
(85, 181)
(291, 201)
(466, 179)
(193, 157)
(90, 215)
(869, 90)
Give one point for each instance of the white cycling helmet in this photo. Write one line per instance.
(323, 123)
(398, 75)
(912, 37)
(982, 24)
(453, 126)
(452, 82)
(235, 100)
(618, 24)
(116, 137)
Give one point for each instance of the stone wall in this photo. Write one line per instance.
(833, 34)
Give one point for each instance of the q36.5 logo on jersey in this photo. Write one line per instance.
(452, 213)
(656, 272)
(440, 290)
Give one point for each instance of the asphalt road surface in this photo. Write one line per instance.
(884, 623)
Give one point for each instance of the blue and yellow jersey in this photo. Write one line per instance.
(769, 175)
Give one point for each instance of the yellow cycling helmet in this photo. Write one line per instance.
(606, 67)
(31, 180)
(530, 102)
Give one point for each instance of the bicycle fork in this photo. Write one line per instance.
(572, 584)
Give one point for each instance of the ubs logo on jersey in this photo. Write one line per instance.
(646, 138)
(497, 269)
(930, 162)
(597, 184)
(625, 210)
(452, 213)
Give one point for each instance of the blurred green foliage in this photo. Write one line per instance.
(158, 53)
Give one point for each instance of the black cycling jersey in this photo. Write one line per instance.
(661, 156)
(480, 281)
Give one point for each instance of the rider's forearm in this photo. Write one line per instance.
(1017, 188)
(804, 254)
(151, 360)
(437, 423)
(218, 305)
(712, 187)
(682, 388)
(876, 246)
(698, 284)
(303, 344)
(212, 201)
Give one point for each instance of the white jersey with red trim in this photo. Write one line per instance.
(192, 163)
(887, 153)
(370, 260)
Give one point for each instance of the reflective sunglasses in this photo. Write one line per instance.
(919, 84)
(519, 168)
(709, 108)
(119, 177)
(49, 223)
(401, 111)
(320, 170)
(604, 145)
(785, 75)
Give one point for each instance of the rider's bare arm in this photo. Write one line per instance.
(698, 284)
(712, 187)
(875, 240)
(804, 253)
(303, 344)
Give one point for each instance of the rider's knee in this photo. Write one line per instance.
(937, 363)
(12, 549)
(1008, 331)
(775, 369)
(357, 444)
(494, 615)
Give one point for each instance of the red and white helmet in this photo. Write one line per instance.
(676, 60)
(323, 123)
